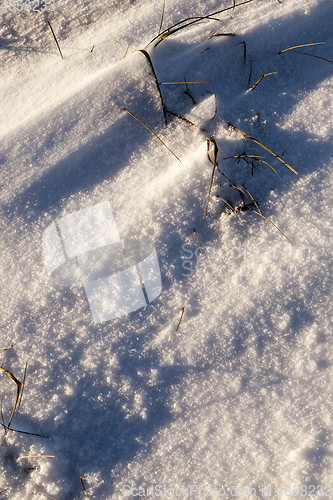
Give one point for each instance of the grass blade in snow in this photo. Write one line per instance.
(181, 317)
(263, 76)
(19, 385)
(247, 136)
(299, 46)
(154, 135)
(212, 140)
(56, 41)
(147, 56)
(193, 20)
(159, 31)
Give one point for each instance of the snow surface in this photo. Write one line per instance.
(240, 396)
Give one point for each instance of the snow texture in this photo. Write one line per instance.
(100, 260)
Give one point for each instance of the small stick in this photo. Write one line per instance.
(298, 46)
(92, 48)
(180, 318)
(153, 134)
(196, 234)
(36, 456)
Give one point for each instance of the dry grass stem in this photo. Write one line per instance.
(247, 136)
(196, 234)
(36, 456)
(24, 377)
(218, 31)
(272, 225)
(19, 385)
(307, 1)
(233, 7)
(81, 478)
(159, 30)
(186, 120)
(147, 56)
(56, 41)
(212, 140)
(181, 316)
(232, 208)
(23, 432)
(299, 46)
(263, 76)
(6, 349)
(312, 55)
(193, 20)
(154, 135)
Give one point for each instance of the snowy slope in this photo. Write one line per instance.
(240, 396)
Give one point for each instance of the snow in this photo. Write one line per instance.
(99, 255)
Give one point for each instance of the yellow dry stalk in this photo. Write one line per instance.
(212, 140)
(196, 234)
(19, 385)
(181, 317)
(298, 46)
(247, 136)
